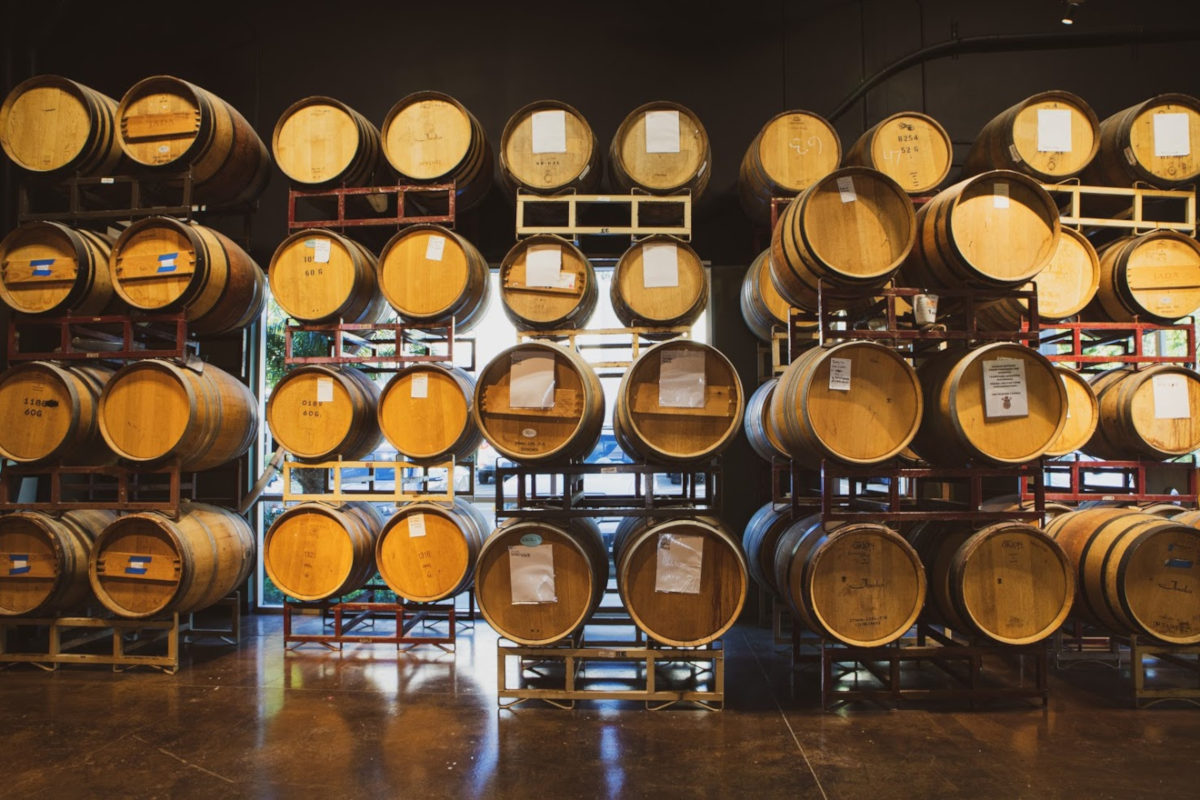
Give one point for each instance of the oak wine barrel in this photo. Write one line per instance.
(320, 142)
(856, 402)
(760, 540)
(539, 403)
(1013, 502)
(659, 282)
(318, 412)
(1148, 413)
(560, 577)
(911, 148)
(681, 401)
(425, 412)
(429, 137)
(427, 552)
(44, 560)
(1050, 136)
(557, 291)
(1083, 414)
(48, 413)
(683, 581)
(48, 268)
(763, 309)
(858, 583)
(53, 127)
(169, 125)
(662, 148)
(853, 229)
(762, 436)
(431, 274)
(791, 152)
(161, 264)
(546, 147)
(1156, 141)
(156, 411)
(148, 564)
(1136, 573)
(1065, 286)
(316, 550)
(317, 275)
(1001, 403)
(1154, 277)
(1008, 582)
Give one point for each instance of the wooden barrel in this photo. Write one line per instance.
(759, 541)
(317, 550)
(1051, 136)
(319, 412)
(793, 151)
(993, 230)
(170, 125)
(427, 551)
(659, 282)
(158, 411)
(425, 412)
(762, 436)
(431, 137)
(853, 229)
(161, 264)
(911, 148)
(856, 402)
(556, 412)
(558, 292)
(1135, 573)
(148, 564)
(547, 147)
(317, 275)
(320, 142)
(1008, 582)
(1013, 502)
(1147, 413)
(48, 268)
(680, 402)
(555, 589)
(662, 148)
(1065, 286)
(1154, 277)
(1083, 414)
(48, 413)
(683, 581)
(1164, 510)
(858, 583)
(763, 309)
(1191, 518)
(54, 128)
(44, 560)
(1156, 141)
(432, 274)
(1001, 403)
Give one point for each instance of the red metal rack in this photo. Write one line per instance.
(1082, 483)
(123, 336)
(351, 620)
(369, 339)
(112, 487)
(407, 199)
(1084, 337)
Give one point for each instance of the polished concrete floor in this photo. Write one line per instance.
(256, 721)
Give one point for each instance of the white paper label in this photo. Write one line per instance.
(416, 525)
(532, 573)
(839, 374)
(434, 247)
(566, 280)
(324, 390)
(662, 131)
(543, 265)
(1171, 135)
(999, 195)
(681, 379)
(678, 563)
(660, 265)
(925, 308)
(420, 387)
(531, 381)
(846, 189)
(321, 248)
(1054, 130)
(1171, 397)
(550, 131)
(1004, 390)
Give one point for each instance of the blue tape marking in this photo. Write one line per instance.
(166, 262)
(20, 564)
(1179, 563)
(40, 267)
(137, 565)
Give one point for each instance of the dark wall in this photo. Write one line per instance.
(734, 64)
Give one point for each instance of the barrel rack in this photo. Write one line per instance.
(117, 337)
(575, 216)
(558, 492)
(355, 207)
(601, 342)
(368, 344)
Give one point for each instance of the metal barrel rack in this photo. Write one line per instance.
(403, 624)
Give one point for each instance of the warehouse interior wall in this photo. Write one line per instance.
(735, 65)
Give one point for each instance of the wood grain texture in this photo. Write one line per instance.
(425, 412)
(1065, 286)
(49, 268)
(311, 428)
(44, 560)
(344, 286)
(48, 413)
(763, 308)
(1130, 426)
(521, 168)
(425, 284)
(1083, 414)
(762, 436)
(319, 141)
(542, 307)
(316, 550)
(434, 558)
(911, 148)
(55, 127)
(760, 540)
(637, 305)
(661, 173)
(1010, 139)
(1154, 277)
(792, 151)
(1127, 145)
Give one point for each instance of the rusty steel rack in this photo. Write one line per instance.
(1082, 339)
(573, 215)
(1082, 475)
(558, 492)
(111, 337)
(366, 344)
(341, 487)
(432, 203)
(1134, 219)
(128, 192)
(353, 622)
(113, 487)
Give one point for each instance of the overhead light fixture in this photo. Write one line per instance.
(1068, 18)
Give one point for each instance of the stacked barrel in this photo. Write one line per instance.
(147, 414)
